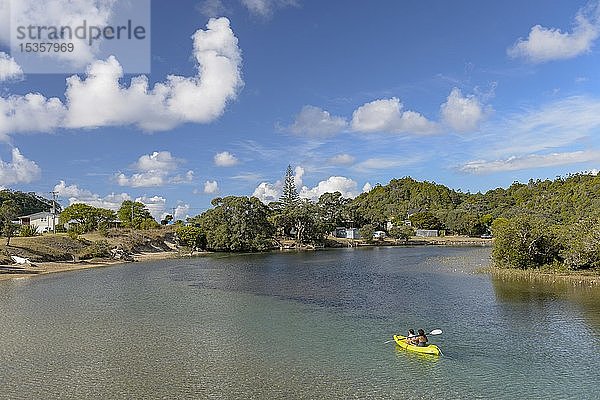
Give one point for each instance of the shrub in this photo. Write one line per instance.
(28, 231)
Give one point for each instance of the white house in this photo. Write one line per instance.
(42, 221)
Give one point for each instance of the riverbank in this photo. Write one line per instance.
(50, 267)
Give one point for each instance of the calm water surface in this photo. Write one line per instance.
(297, 326)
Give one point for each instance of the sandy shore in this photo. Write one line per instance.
(43, 268)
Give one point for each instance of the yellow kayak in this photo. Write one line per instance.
(430, 349)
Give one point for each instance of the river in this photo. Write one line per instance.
(308, 325)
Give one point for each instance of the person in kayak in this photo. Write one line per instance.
(411, 338)
(421, 338)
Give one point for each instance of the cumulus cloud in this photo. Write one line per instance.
(314, 121)
(156, 205)
(100, 99)
(58, 13)
(75, 194)
(342, 159)
(9, 69)
(462, 113)
(388, 115)
(225, 159)
(211, 187)
(18, 170)
(347, 187)
(181, 212)
(155, 169)
(547, 44)
(268, 192)
(367, 187)
(531, 161)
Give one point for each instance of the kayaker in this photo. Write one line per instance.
(411, 338)
(421, 339)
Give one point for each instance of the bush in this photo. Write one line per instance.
(99, 249)
(192, 237)
(366, 232)
(28, 231)
(525, 241)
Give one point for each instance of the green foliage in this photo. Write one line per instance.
(290, 192)
(191, 236)
(236, 224)
(401, 232)
(165, 221)
(9, 211)
(28, 231)
(27, 203)
(425, 220)
(582, 244)
(332, 210)
(525, 241)
(366, 232)
(86, 218)
(138, 218)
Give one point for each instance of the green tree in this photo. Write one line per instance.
(425, 220)
(332, 210)
(290, 192)
(88, 218)
(166, 220)
(582, 244)
(524, 241)
(401, 232)
(236, 224)
(192, 237)
(135, 215)
(366, 232)
(8, 213)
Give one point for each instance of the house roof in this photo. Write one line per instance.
(36, 215)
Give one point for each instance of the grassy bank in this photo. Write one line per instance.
(546, 275)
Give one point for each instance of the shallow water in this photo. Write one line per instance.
(297, 326)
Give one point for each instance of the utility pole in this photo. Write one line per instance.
(53, 212)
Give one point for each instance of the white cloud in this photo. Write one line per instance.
(387, 115)
(265, 8)
(29, 113)
(211, 187)
(212, 8)
(100, 99)
(531, 161)
(462, 113)
(156, 205)
(158, 160)
(19, 170)
(298, 174)
(9, 69)
(547, 44)
(314, 121)
(225, 159)
(74, 194)
(347, 187)
(58, 13)
(154, 170)
(548, 127)
(380, 163)
(181, 212)
(342, 159)
(267, 192)
(367, 187)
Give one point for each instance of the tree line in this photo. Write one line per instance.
(535, 224)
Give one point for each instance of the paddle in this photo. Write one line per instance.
(432, 333)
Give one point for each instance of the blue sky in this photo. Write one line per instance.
(470, 94)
